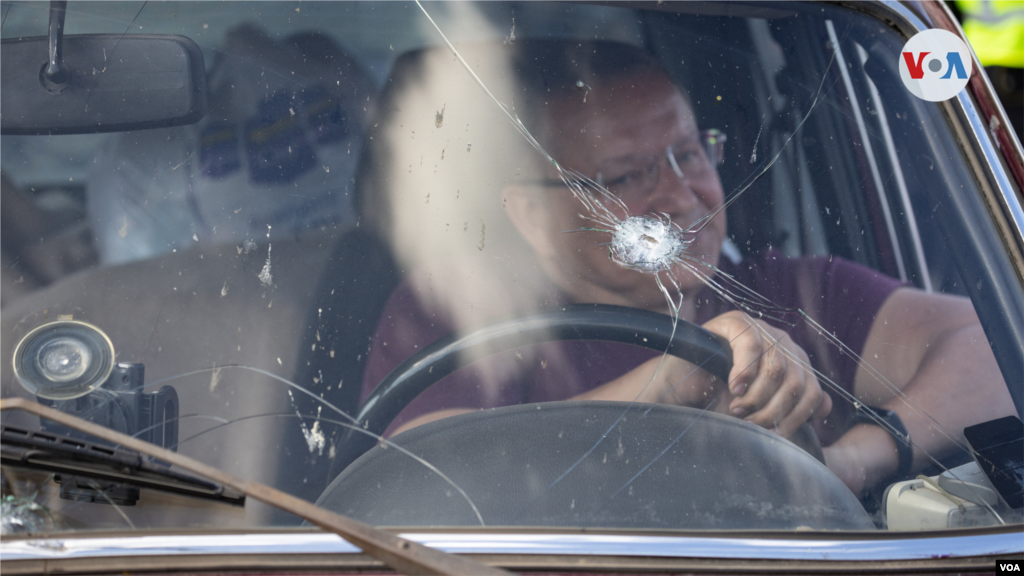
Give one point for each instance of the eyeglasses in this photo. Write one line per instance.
(634, 177)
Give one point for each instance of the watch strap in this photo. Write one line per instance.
(891, 423)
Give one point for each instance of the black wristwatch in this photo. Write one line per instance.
(891, 423)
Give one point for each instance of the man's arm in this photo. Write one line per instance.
(769, 385)
(932, 349)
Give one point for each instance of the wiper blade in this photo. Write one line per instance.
(398, 553)
(65, 455)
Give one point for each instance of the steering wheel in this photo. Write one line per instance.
(764, 482)
(574, 322)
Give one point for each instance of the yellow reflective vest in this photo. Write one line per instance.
(995, 29)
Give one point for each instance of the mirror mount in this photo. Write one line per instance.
(55, 75)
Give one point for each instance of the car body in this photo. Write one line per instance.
(348, 153)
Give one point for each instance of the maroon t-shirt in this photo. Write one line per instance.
(839, 295)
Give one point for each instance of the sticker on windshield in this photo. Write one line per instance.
(935, 65)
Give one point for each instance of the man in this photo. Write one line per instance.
(632, 135)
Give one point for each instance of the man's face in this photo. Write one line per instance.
(630, 121)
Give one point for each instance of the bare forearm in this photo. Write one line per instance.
(957, 384)
(430, 417)
(666, 380)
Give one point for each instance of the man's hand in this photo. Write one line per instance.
(769, 385)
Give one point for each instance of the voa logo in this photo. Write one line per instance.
(935, 65)
(1006, 567)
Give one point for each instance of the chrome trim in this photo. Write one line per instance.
(869, 152)
(1001, 116)
(996, 184)
(984, 160)
(877, 549)
(899, 181)
(911, 24)
(985, 149)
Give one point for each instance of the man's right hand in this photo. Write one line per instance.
(771, 383)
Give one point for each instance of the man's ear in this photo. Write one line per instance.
(529, 211)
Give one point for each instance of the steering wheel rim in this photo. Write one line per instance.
(602, 322)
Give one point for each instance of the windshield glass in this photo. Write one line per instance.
(511, 264)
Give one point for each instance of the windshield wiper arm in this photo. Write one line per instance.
(65, 455)
(398, 553)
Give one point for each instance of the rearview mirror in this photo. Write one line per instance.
(113, 83)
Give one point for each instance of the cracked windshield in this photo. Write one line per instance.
(666, 266)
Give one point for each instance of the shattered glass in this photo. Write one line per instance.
(447, 264)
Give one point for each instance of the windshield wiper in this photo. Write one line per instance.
(398, 553)
(74, 457)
